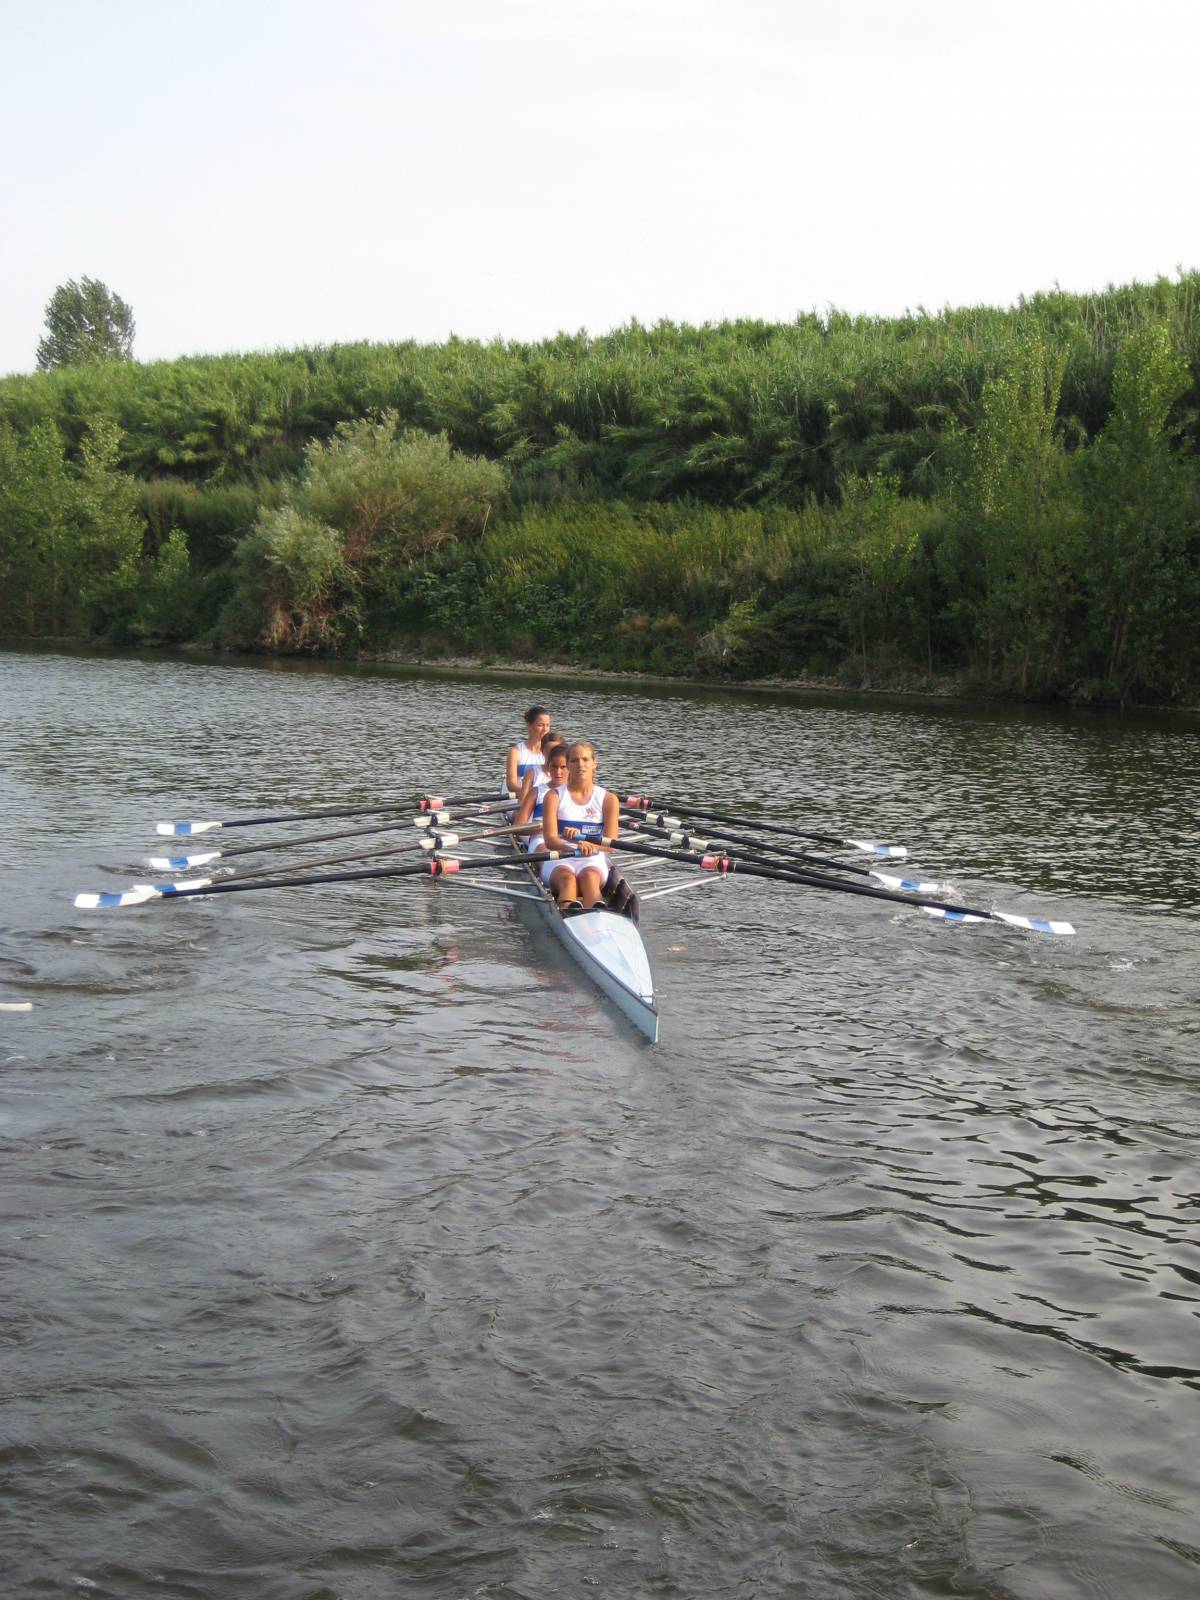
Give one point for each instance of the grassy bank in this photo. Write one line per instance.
(1007, 498)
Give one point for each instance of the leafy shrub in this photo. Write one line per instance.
(335, 560)
(292, 586)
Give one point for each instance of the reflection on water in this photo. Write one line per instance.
(356, 1248)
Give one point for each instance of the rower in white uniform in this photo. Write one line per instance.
(537, 783)
(526, 753)
(578, 817)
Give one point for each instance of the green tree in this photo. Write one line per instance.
(881, 541)
(1015, 519)
(166, 610)
(107, 534)
(1139, 483)
(35, 498)
(85, 322)
(396, 494)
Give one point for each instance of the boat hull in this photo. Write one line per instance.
(609, 948)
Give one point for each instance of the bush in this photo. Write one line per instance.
(291, 588)
(335, 560)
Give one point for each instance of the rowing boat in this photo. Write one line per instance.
(605, 942)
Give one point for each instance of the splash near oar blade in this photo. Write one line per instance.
(904, 885)
(181, 863)
(1034, 924)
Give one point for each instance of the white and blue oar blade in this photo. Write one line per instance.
(1034, 924)
(184, 830)
(135, 896)
(181, 863)
(907, 885)
(952, 916)
(110, 902)
(162, 890)
(894, 852)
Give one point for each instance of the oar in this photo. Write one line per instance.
(935, 908)
(427, 841)
(182, 891)
(689, 841)
(139, 893)
(637, 802)
(364, 853)
(182, 863)
(183, 830)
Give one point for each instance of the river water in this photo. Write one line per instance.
(354, 1246)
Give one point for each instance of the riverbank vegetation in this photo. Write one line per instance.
(1009, 496)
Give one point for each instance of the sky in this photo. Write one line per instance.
(262, 174)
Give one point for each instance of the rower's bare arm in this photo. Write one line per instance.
(612, 816)
(510, 772)
(550, 822)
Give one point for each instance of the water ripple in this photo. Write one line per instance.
(356, 1248)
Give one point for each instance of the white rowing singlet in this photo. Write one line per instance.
(526, 757)
(587, 820)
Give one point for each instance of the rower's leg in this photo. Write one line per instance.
(562, 885)
(591, 882)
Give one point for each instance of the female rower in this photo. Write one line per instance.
(536, 785)
(527, 752)
(579, 816)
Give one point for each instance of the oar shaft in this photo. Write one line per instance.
(424, 842)
(436, 869)
(685, 808)
(401, 803)
(751, 867)
(726, 837)
(427, 842)
(314, 838)
(364, 852)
